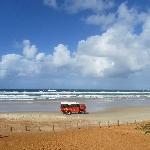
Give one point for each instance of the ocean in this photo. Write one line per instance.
(19, 100)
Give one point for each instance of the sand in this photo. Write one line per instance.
(123, 114)
(93, 138)
(51, 130)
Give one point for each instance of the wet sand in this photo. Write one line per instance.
(122, 114)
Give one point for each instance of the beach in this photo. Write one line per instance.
(109, 129)
(110, 123)
(74, 75)
(124, 114)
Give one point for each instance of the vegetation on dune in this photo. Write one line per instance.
(145, 127)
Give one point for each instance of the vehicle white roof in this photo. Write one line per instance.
(69, 103)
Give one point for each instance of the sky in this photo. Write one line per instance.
(90, 44)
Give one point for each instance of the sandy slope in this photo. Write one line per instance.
(93, 138)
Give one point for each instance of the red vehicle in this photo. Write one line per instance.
(72, 107)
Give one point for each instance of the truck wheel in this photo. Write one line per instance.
(69, 112)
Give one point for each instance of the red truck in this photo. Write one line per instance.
(72, 107)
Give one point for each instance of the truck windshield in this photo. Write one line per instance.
(72, 105)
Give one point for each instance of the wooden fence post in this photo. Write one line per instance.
(40, 129)
(26, 128)
(87, 126)
(53, 128)
(134, 121)
(11, 129)
(108, 124)
(77, 125)
(118, 124)
(99, 123)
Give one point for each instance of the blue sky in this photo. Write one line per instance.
(101, 44)
(41, 24)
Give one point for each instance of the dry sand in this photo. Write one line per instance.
(93, 138)
(48, 131)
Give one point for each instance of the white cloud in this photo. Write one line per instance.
(51, 3)
(29, 50)
(92, 65)
(130, 16)
(33, 63)
(61, 56)
(74, 6)
(17, 65)
(118, 51)
(8, 64)
(127, 50)
(123, 15)
(101, 20)
(40, 57)
(94, 5)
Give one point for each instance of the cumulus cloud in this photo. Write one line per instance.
(8, 63)
(127, 50)
(96, 8)
(74, 6)
(34, 63)
(93, 66)
(16, 65)
(61, 56)
(123, 15)
(29, 50)
(121, 50)
(94, 5)
(51, 3)
(101, 20)
(40, 57)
